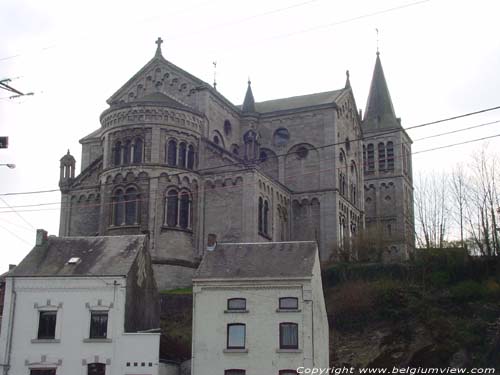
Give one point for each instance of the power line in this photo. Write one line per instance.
(223, 187)
(17, 213)
(457, 131)
(374, 136)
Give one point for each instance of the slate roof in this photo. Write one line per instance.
(95, 134)
(158, 97)
(100, 256)
(379, 113)
(258, 260)
(295, 102)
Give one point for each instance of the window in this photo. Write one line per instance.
(261, 208)
(137, 156)
(370, 157)
(289, 303)
(236, 304)
(178, 208)
(234, 372)
(119, 207)
(190, 157)
(236, 336)
(47, 325)
(96, 369)
(266, 216)
(117, 153)
(131, 198)
(216, 140)
(364, 158)
(263, 156)
(227, 127)
(182, 155)
(98, 324)
(281, 137)
(289, 336)
(302, 153)
(172, 153)
(381, 157)
(172, 203)
(390, 156)
(126, 152)
(43, 371)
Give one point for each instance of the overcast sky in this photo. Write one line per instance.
(441, 58)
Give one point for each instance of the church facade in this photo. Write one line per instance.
(176, 160)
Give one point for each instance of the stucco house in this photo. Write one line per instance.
(258, 308)
(81, 306)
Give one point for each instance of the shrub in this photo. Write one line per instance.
(467, 291)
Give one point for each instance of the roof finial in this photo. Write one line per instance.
(249, 81)
(347, 81)
(215, 74)
(378, 53)
(158, 42)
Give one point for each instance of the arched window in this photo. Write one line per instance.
(370, 155)
(364, 158)
(137, 157)
(119, 207)
(390, 156)
(117, 153)
(216, 140)
(261, 209)
(172, 205)
(96, 369)
(381, 157)
(172, 153)
(190, 157)
(126, 152)
(182, 155)
(184, 210)
(131, 206)
(178, 209)
(266, 217)
(227, 127)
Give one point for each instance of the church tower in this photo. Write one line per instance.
(388, 173)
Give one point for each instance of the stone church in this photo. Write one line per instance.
(176, 160)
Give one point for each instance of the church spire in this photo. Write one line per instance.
(249, 102)
(347, 81)
(379, 111)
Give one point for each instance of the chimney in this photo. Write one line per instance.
(41, 237)
(11, 267)
(212, 242)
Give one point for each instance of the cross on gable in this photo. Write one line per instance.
(159, 41)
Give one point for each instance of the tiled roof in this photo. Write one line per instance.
(296, 102)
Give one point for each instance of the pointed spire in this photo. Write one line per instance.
(379, 111)
(347, 81)
(249, 102)
(158, 42)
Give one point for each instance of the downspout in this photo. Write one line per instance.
(6, 366)
(312, 326)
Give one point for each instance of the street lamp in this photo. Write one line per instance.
(11, 166)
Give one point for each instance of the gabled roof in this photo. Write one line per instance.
(96, 134)
(296, 102)
(379, 113)
(98, 256)
(258, 260)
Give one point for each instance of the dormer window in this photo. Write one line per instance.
(74, 260)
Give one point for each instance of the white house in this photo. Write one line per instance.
(258, 308)
(81, 306)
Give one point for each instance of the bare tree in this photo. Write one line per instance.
(431, 194)
(458, 190)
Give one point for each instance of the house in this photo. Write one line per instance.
(258, 308)
(81, 306)
(172, 153)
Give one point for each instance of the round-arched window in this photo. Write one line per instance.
(281, 137)
(227, 127)
(263, 156)
(302, 152)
